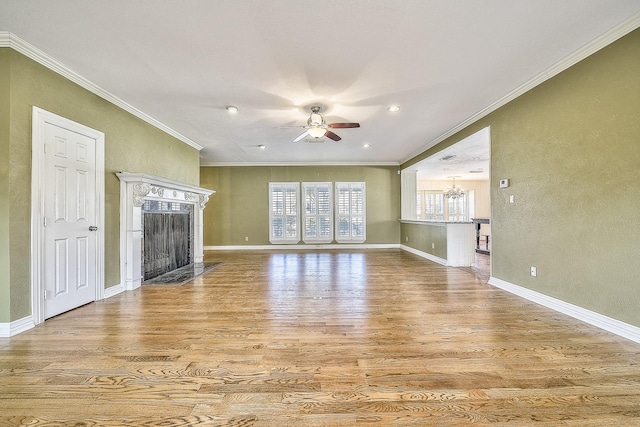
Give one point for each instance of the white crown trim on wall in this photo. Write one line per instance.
(589, 49)
(10, 40)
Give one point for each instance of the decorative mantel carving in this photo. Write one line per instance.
(135, 188)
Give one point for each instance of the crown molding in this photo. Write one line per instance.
(589, 49)
(10, 40)
(215, 164)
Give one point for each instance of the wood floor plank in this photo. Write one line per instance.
(319, 338)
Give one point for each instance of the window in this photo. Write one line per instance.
(313, 212)
(350, 212)
(317, 215)
(284, 212)
(458, 209)
(433, 206)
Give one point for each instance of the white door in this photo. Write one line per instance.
(70, 219)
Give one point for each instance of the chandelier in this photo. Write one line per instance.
(453, 191)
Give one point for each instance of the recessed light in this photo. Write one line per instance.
(366, 145)
(449, 157)
(393, 108)
(231, 108)
(262, 147)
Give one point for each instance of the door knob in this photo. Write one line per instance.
(93, 228)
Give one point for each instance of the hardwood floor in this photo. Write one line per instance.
(333, 338)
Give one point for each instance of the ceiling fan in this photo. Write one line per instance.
(317, 127)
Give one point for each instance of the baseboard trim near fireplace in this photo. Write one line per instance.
(302, 247)
(113, 290)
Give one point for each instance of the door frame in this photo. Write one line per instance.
(40, 118)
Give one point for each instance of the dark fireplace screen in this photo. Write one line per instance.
(168, 237)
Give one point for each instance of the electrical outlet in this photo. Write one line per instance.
(534, 271)
(246, 238)
(406, 238)
(512, 199)
(433, 245)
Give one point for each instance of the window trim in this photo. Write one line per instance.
(305, 215)
(284, 239)
(351, 238)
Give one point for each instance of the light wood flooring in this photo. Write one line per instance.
(332, 338)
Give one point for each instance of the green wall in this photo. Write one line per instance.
(5, 70)
(421, 236)
(571, 148)
(131, 145)
(240, 207)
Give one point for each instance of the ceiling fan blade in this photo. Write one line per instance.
(343, 125)
(301, 136)
(332, 135)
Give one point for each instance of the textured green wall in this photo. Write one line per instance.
(421, 236)
(571, 148)
(240, 206)
(131, 145)
(4, 185)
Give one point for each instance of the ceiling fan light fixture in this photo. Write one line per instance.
(317, 132)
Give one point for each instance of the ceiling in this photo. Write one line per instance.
(466, 160)
(441, 61)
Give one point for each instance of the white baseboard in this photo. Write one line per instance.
(426, 255)
(14, 328)
(113, 290)
(302, 247)
(617, 327)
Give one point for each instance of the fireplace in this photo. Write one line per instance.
(160, 226)
(167, 237)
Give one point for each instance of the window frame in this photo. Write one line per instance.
(353, 214)
(318, 216)
(285, 216)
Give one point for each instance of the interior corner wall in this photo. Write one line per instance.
(570, 149)
(240, 206)
(131, 145)
(5, 96)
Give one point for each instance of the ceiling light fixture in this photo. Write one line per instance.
(317, 131)
(393, 108)
(262, 147)
(365, 145)
(231, 108)
(453, 191)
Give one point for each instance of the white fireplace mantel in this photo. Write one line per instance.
(135, 188)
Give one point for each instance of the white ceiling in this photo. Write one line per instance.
(182, 61)
(466, 160)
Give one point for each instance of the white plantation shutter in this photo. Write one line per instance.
(436, 207)
(317, 215)
(350, 212)
(284, 212)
